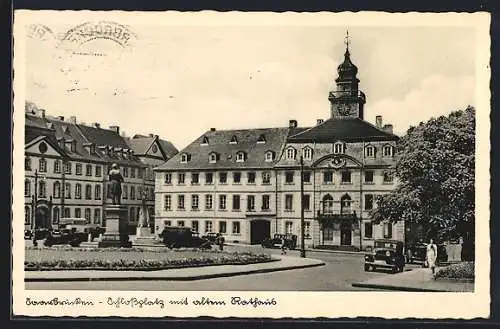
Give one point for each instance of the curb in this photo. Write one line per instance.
(359, 253)
(175, 278)
(395, 288)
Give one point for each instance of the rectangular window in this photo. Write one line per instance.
(289, 177)
(180, 223)
(209, 203)
(98, 171)
(67, 191)
(368, 230)
(328, 177)
(388, 230)
(236, 177)
(346, 176)
(266, 202)
(307, 230)
(180, 178)
(251, 177)
(208, 226)
(167, 204)
(57, 166)
(27, 163)
(328, 234)
(307, 202)
(223, 178)
(288, 227)
(288, 202)
(78, 169)
(222, 202)
(236, 202)
(125, 171)
(168, 178)
(125, 192)
(368, 201)
(307, 176)
(369, 176)
(140, 172)
(236, 227)
(78, 213)
(97, 216)
(88, 170)
(132, 192)
(251, 202)
(195, 178)
(67, 168)
(88, 214)
(388, 177)
(88, 192)
(222, 227)
(132, 172)
(195, 200)
(195, 226)
(266, 177)
(180, 202)
(167, 223)
(66, 213)
(209, 178)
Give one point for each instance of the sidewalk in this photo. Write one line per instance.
(359, 253)
(416, 280)
(182, 274)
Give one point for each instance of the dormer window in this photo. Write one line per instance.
(204, 140)
(233, 140)
(269, 157)
(307, 153)
(338, 148)
(240, 157)
(388, 151)
(184, 158)
(291, 153)
(261, 140)
(370, 151)
(212, 157)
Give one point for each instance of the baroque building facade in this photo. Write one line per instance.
(245, 184)
(66, 165)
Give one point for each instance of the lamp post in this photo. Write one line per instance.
(302, 238)
(35, 202)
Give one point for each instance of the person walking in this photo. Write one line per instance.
(431, 256)
(283, 246)
(220, 241)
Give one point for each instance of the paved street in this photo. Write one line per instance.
(340, 271)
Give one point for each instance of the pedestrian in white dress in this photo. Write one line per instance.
(431, 256)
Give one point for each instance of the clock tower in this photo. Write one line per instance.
(347, 101)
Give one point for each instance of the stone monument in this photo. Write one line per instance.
(115, 214)
(144, 237)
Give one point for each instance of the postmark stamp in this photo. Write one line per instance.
(88, 31)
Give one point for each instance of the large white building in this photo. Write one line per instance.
(245, 184)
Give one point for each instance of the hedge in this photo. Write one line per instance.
(460, 271)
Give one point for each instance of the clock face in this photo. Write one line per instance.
(344, 109)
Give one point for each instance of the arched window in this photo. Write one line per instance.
(97, 192)
(290, 153)
(97, 216)
(370, 151)
(328, 204)
(78, 191)
(345, 204)
(388, 151)
(184, 158)
(87, 215)
(42, 189)
(27, 163)
(88, 191)
(27, 187)
(307, 153)
(67, 191)
(212, 158)
(42, 165)
(57, 190)
(27, 215)
(55, 215)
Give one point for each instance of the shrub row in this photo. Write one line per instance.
(133, 249)
(458, 271)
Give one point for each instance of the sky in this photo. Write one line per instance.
(180, 81)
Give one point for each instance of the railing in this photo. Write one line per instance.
(342, 94)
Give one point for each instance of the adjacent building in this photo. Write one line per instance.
(245, 184)
(66, 165)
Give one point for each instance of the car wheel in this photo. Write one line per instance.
(370, 268)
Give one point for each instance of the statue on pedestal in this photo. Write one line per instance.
(116, 179)
(143, 212)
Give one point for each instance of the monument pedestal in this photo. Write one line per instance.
(116, 227)
(144, 237)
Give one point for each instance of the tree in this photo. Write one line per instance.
(435, 171)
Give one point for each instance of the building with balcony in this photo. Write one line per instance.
(246, 184)
(66, 165)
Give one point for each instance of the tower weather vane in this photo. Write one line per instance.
(347, 41)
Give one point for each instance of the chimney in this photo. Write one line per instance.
(72, 120)
(319, 121)
(116, 129)
(212, 129)
(378, 121)
(61, 118)
(292, 123)
(97, 125)
(42, 113)
(388, 128)
(151, 135)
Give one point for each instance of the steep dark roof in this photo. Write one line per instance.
(345, 129)
(168, 147)
(101, 136)
(140, 144)
(219, 142)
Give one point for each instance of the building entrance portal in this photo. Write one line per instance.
(42, 217)
(345, 234)
(260, 229)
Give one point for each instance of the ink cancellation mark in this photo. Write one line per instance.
(40, 32)
(105, 30)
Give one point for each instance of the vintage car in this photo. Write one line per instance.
(40, 233)
(179, 237)
(416, 253)
(65, 236)
(276, 241)
(386, 254)
(94, 230)
(213, 237)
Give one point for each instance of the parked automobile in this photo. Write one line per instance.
(416, 253)
(386, 254)
(84, 228)
(178, 237)
(65, 236)
(276, 241)
(40, 233)
(213, 237)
